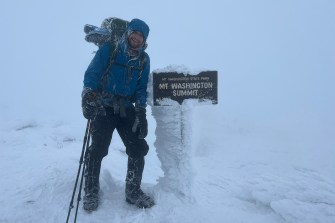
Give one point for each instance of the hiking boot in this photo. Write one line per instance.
(92, 186)
(140, 199)
(134, 194)
(91, 202)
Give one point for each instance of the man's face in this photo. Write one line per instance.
(135, 40)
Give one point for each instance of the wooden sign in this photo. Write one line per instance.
(178, 86)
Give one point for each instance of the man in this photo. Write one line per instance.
(114, 80)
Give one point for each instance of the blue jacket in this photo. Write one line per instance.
(124, 77)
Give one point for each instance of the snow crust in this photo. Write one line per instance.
(182, 69)
(174, 149)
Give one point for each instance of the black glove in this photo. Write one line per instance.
(89, 103)
(141, 123)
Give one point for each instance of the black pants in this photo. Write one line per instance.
(102, 132)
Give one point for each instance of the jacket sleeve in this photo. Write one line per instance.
(141, 90)
(97, 67)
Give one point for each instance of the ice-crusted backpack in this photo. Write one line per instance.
(111, 31)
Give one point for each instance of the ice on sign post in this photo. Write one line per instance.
(178, 87)
(175, 93)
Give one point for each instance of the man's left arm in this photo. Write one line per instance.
(141, 89)
(141, 123)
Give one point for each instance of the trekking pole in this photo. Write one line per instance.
(81, 181)
(85, 144)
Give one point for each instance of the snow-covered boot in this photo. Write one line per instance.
(134, 194)
(92, 187)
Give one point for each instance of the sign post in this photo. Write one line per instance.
(174, 97)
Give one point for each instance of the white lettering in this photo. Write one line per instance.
(163, 86)
(199, 85)
(180, 93)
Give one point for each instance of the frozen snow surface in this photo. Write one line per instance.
(222, 174)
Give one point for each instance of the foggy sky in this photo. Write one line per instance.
(275, 58)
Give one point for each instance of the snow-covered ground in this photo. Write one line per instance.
(239, 174)
(264, 154)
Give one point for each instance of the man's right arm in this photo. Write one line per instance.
(95, 70)
(92, 81)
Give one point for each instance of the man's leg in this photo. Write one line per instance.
(92, 186)
(136, 149)
(134, 193)
(102, 130)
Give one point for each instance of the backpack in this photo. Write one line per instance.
(111, 30)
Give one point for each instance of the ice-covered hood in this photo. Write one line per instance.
(140, 26)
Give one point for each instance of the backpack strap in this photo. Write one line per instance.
(112, 54)
(113, 51)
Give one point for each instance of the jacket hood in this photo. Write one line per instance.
(140, 26)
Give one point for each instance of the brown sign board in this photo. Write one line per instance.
(178, 86)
